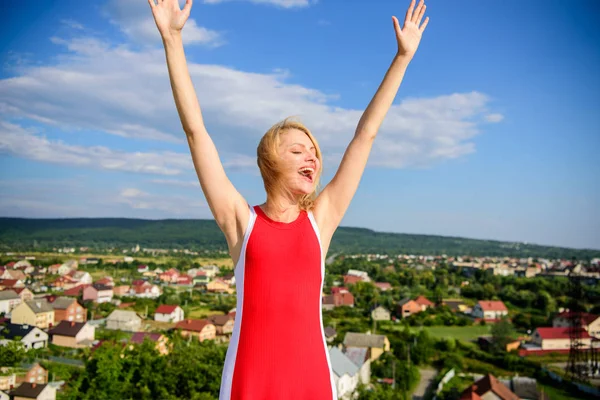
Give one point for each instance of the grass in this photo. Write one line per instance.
(561, 394)
(465, 333)
(201, 312)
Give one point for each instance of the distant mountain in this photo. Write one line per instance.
(23, 234)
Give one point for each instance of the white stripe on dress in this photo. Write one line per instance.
(228, 368)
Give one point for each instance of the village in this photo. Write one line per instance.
(71, 309)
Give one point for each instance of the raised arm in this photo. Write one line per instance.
(226, 203)
(333, 201)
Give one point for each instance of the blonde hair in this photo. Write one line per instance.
(269, 164)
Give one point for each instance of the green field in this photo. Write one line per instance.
(466, 333)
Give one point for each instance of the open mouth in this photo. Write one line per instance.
(307, 173)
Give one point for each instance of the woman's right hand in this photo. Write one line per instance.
(168, 16)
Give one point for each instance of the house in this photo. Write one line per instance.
(201, 328)
(490, 310)
(380, 314)
(8, 378)
(106, 281)
(121, 290)
(13, 274)
(408, 307)
(364, 276)
(124, 320)
(423, 302)
(67, 309)
(142, 268)
(558, 338)
(223, 324)
(98, 293)
(165, 313)
(169, 276)
(9, 299)
(37, 312)
(211, 270)
(589, 322)
(338, 299)
(218, 286)
(73, 334)
(31, 336)
(80, 276)
(24, 293)
(377, 344)
(352, 279)
(488, 387)
(29, 391)
(36, 374)
(345, 373)
(361, 357)
(456, 305)
(64, 282)
(383, 286)
(330, 334)
(75, 291)
(161, 341)
(11, 284)
(145, 290)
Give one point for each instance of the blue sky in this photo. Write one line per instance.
(494, 133)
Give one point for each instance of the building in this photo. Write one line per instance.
(377, 344)
(98, 293)
(31, 336)
(345, 373)
(338, 299)
(67, 309)
(488, 387)
(200, 328)
(124, 320)
(8, 378)
(380, 314)
(408, 307)
(490, 310)
(558, 338)
(36, 374)
(166, 313)
(456, 305)
(424, 303)
(9, 299)
(37, 312)
(589, 322)
(34, 391)
(73, 334)
(160, 340)
(223, 324)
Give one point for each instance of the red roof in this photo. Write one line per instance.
(485, 385)
(492, 305)
(138, 337)
(76, 291)
(422, 301)
(165, 309)
(192, 324)
(560, 333)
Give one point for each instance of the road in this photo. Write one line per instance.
(427, 377)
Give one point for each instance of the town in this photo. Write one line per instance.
(156, 324)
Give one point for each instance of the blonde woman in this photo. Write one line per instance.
(277, 350)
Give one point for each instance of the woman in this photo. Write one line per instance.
(277, 350)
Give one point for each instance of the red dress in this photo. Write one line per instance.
(278, 350)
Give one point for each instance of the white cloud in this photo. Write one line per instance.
(124, 92)
(278, 3)
(175, 182)
(169, 204)
(22, 142)
(494, 117)
(134, 18)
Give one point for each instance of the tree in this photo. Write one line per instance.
(12, 354)
(503, 332)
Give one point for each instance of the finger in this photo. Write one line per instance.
(151, 2)
(397, 26)
(187, 8)
(421, 14)
(409, 12)
(422, 28)
(417, 11)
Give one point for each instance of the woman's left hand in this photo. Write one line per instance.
(409, 36)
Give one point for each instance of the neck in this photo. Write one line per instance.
(280, 208)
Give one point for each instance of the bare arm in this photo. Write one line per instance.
(332, 203)
(224, 200)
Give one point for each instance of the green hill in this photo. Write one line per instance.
(101, 233)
